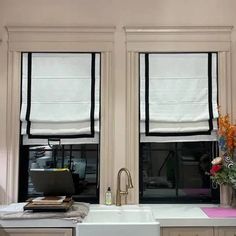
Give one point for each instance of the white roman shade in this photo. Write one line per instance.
(178, 97)
(60, 97)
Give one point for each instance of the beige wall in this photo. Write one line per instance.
(118, 13)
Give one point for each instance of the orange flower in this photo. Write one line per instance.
(223, 124)
(228, 132)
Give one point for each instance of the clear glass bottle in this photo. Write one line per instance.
(108, 197)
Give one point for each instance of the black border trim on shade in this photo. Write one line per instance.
(147, 93)
(92, 109)
(29, 80)
(93, 60)
(147, 116)
(210, 91)
(217, 76)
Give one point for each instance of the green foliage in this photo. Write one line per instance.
(232, 176)
(222, 176)
(225, 176)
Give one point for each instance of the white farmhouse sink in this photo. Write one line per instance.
(119, 221)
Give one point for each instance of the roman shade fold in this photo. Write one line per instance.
(60, 96)
(178, 96)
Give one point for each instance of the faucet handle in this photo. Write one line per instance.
(126, 195)
(129, 185)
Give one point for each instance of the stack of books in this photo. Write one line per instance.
(49, 203)
(50, 200)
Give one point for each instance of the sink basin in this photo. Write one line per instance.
(125, 221)
(119, 216)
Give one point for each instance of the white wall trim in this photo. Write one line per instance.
(107, 126)
(185, 38)
(59, 38)
(170, 39)
(63, 29)
(81, 38)
(178, 29)
(3, 105)
(132, 122)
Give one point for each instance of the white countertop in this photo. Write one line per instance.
(177, 215)
(169, 215)
(182, 215)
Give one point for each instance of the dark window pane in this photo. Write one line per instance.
(81, 159)
(176, 171)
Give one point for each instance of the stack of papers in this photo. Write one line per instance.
(50, 200)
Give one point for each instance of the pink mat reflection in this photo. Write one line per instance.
(218, 212)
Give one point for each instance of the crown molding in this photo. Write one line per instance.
(52, 38)
(178, 34)
(174, 38)
(178, 29)
(62, 29)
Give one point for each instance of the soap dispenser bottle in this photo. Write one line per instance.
(108, 197)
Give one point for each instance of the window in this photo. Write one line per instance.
(178, 123)
(42, 39)
(159, 39)
(60, 107)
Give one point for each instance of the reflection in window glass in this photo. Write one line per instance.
(81, 159)
(176, 171)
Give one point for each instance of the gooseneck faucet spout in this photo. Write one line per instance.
(129, 185)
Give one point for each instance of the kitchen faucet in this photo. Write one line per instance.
(119, 192)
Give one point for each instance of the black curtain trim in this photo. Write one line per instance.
(147, 93)
(193, 52)
(21, 95)
(33, 136)
(91, 135)
(93, 58)
(29, 75)
(100, 86)
(210, 91)
(207, 132)
(217, 76)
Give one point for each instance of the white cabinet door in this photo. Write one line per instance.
(188, 231)
(226, 231)
(35, 232)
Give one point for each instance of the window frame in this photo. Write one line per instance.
(25, 149)
(171, 39)
(175, 199)
(64, 39)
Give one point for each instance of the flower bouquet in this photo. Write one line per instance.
(223, 169)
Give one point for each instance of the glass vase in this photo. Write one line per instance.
(226, 193)
(233, 198)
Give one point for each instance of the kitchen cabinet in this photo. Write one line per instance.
(225, 231)
(35, 232)
(188, 231)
